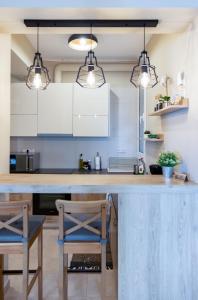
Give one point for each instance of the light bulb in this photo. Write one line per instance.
(144, 79)
(91, 80)
(37, 82)
(82, 41)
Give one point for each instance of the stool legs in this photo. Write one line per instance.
(40, 266)
(25, 271)
(62, 273)
(1, 278)
(103, 272)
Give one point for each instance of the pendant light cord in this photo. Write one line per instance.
(38, 38)
(144, 37)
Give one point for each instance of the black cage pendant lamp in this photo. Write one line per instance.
(90, 75)
(144, 74)
(38, 76)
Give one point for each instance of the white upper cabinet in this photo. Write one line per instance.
(23, 110)
(91, 111)
(23, 100)
(91, 101)
(23, 125)
(55, 109)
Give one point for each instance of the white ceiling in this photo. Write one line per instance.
(171, 19)
(120, 47)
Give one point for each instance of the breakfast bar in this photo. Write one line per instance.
(157, 228)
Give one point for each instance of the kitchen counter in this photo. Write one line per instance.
(85, 183)
(157, 228)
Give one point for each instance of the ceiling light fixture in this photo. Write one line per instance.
(144, 74)
(82, 42)
(38, 76)
(90, 75)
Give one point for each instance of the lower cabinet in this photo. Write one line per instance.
(23, 125)
(91, 126)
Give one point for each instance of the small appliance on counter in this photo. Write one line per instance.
(24, 162)
(155, 169)
(122, 164)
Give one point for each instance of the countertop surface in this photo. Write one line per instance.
(79, 183)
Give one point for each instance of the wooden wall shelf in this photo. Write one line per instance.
(169, 109)
(161, 138)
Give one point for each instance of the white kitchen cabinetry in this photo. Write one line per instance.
(23, 125)
(23, 110)
(23, 100)
(55, 109)
(91, 111)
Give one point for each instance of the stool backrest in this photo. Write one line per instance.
(93, 210)
(11, 212)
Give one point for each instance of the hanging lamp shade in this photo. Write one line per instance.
(38, 76)
(90, 75)
(144, 74)
(82, 42)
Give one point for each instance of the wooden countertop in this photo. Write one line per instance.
(74, 183)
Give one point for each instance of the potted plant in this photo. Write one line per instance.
(165, 100)
(168, 160)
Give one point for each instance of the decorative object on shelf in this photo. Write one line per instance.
(144, 74)
(164, 81)
(162, 102)
(168, 160)
(90, 75)
(38, 76)
(82, 42)
(171, 108)
(154, 137)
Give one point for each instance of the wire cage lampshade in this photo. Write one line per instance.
(144, 74)
(90, 75)
(38, 76)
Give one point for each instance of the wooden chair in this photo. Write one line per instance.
(18, 231)
(81, 235)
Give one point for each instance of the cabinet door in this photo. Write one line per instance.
(91, 101)
(91, 126)
(23, 125)
(55, 109)
(23, 100)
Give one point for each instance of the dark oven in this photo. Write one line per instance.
(44, 204)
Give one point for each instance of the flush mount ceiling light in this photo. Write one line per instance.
(144, 74)
(38, 76)
(82, 42)
(90, 75)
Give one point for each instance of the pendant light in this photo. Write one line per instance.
(82, 42)
(38, 76)
(90, 75)
(144, 74)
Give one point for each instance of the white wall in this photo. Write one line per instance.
(172, 54)
(63, 152)
(5, 50)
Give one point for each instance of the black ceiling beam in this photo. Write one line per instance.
(89, 23)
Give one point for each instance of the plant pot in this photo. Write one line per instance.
(167, 172)
(166, 104)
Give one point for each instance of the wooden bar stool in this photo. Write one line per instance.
(82, 229)
(18, 231)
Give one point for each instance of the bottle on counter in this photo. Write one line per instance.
(141, 166)
(81, 162)
(97, 161)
